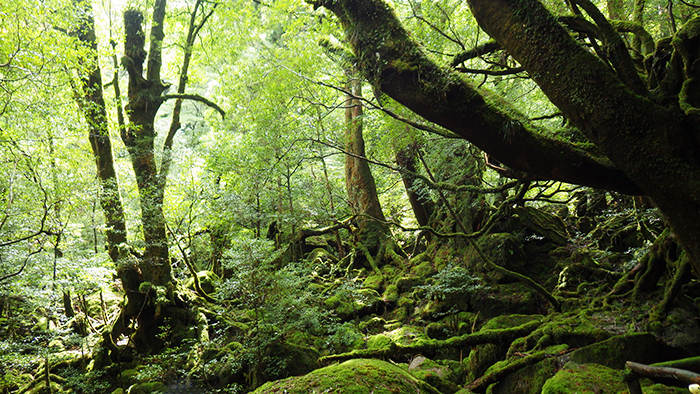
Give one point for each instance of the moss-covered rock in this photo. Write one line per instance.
(379, 341)
(406, 283)
(585, 379)
(363, 302)
(483, 356)
(373, 325)
(614, 352)
(528, 380)
(423, 270)
(361, 376)
(391, 294)
(441, 376)
(289, 359)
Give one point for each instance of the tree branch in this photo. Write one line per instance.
(195, 97)
(391, 60)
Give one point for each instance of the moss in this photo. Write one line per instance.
(614, 352)
(379, 341)
(374, 282)
(650, 388)
(361, 376)
(406, 283)
(436, 374)
(423, 270)
(374, 325)
(437, 330)
(406, 335)
(391, 293)
(585, 378)
(208, 281)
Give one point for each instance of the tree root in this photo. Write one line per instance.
(520, 277)
(480, 384)
(657, 371)
(431, 345)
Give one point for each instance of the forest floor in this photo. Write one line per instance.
(540, 305)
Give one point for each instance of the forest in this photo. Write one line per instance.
(350, 196)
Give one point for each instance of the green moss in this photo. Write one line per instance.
(379, 341)
(391, 294)
(649, 388)
(585, 378)
(406, 335)
(208, 281)
(374, 282)
(423, 270)
(361, 376)
(614, 352)
(374, 325)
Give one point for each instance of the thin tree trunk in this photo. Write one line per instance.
(359, 182)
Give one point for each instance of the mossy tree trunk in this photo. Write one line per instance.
(93, 106)
(144, 96)
(359, 182)
(649, 144)
(407, 159)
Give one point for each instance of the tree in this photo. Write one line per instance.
(92, 103)
(641, 134)
(359, 182)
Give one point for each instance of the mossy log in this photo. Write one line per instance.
(429, 346)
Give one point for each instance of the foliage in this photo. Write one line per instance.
(453, 281)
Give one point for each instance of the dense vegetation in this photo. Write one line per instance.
(209, 196)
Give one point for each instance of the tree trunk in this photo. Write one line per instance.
(359, 182)
(93, 106)
(144, 102)
(422, 206)
(647, 148)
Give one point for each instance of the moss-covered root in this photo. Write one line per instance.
(672, 289)
(480, 385)
(429, 346)
(520, 277)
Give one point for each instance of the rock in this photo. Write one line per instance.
(585, 379)
(436, 374)
(360, 376)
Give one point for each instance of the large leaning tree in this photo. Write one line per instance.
(641, 119)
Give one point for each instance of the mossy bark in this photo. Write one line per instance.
(359, 182)
(648, 148)
(395, 64)
(93, 106)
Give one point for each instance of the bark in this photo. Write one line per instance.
(359, 182)
(395, 64)
(407, 158)
(653, 144)
(144, 101)
(93, 106)
(645, 148)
